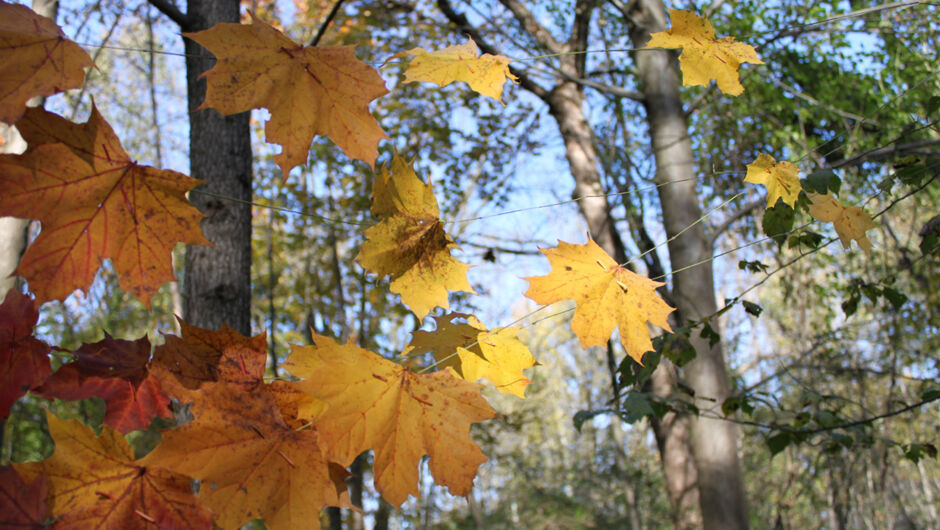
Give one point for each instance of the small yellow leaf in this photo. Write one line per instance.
(703, 56)
(850, 222)
(475, 353)
(486, 74)
(608, 296)
(410, 244)
(781, 179)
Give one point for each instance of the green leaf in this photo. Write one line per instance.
(710, 334)
(752, 266)
(822, 182)
(778, 442)
(635, 407)
(777, 222)
(736, 403)
(806, 238)
(895, 298)
(850, 305)
(915, 452)
(584, 415)
(752, 308)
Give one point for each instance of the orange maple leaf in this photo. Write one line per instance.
(781, 179)
(94, 483)
(486, 74)
(376, 404)
(308, 90)
(608, 296)
(475, 353)
(35, 60)
(703, 56)
(94, 202)
(850, 222)
(252, 464)
(410, 244)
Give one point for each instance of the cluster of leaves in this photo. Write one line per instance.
(278, 450)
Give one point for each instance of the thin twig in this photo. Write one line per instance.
(329, 18)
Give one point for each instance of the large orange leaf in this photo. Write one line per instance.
(608, 296)
(24, 359)
(308, 90)
(475, 353)
(703, 56)
(485, 73)
(376, 404)
(95, 483)
(410, 244)
(35, 60)
(94, 203)
(118, 372)
(252, 464)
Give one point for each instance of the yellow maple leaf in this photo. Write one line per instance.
(376, 404)
(308, 90)
(486, 74)
(703, 56)
(850, 222)
(410, 244)
(475, 353)
(608, 296)
(781, 179)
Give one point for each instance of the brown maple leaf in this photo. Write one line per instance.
(116, 371)
(95, 483)
(205, 356)
(410, 244)
(308, 90)
(252, 464)
(376, 404)
(94, 202)
(22, 504)
(608, 296)
(35, 60)
(24, 360)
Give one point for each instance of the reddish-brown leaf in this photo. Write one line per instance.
(205, 356)
(251, 462)
(22, 504)
(95, 483)
(94, 203)
(35, 60)
(24, 361)
(118, 372)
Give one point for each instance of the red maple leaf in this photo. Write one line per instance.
(24, 361)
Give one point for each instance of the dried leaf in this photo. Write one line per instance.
(608, 296)
(781, 179)
(308, 90)
(850, 222)
(377, 404)
(703, 56)
(485, 74)
(24, 360)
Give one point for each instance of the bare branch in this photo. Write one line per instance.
(183, 20)
(326, 22)
(733, 218)
(887, 151)
(532, 27)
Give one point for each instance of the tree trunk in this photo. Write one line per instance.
(714, 442)
(217, 283)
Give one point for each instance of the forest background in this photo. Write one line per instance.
(819, 342)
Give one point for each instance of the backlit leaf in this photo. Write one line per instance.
(780, 178)
(851, 222)
(401, 415)
(608, 296)
(485, 74)
(308, 90)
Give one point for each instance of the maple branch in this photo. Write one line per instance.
(183, 20)
(460, 20)
(885, 152)
(604, 87)
(326, 22)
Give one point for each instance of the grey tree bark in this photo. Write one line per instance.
(565, 101)
(714, 442)
(217, 281)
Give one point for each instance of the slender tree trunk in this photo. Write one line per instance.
(217, 284)
(714, 442)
